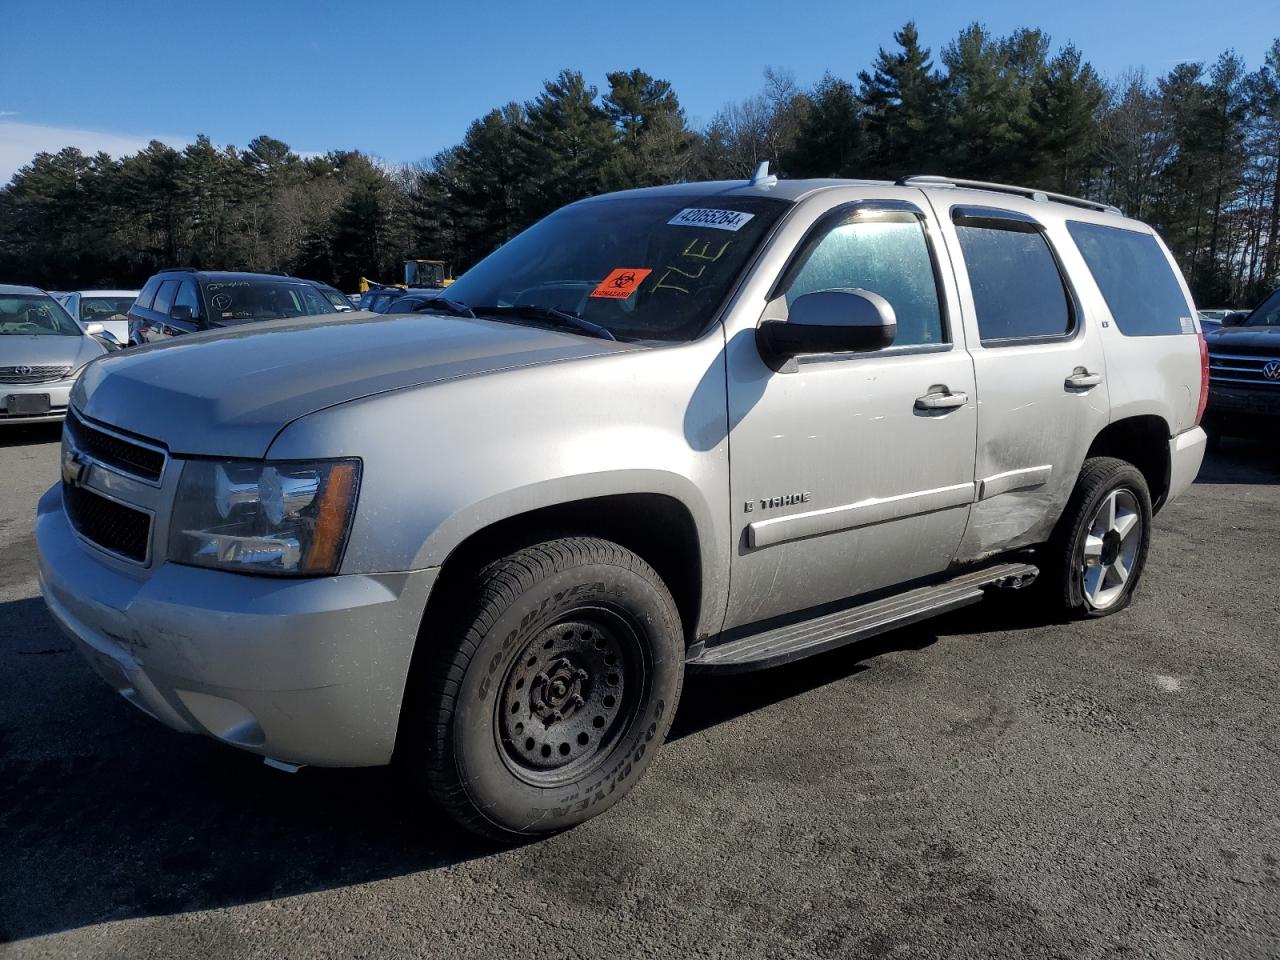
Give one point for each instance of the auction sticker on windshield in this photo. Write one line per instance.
(716, 219)
(620, 284)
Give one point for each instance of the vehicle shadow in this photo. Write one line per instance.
(712, 699)
(106, 815)
(24, 434)
(1252, 460)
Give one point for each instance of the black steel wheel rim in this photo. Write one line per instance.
(570, 695)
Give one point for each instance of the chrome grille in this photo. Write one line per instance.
(23, 373)
(1240, 368)
(113, 449)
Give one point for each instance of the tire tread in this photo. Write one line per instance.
(494, 588)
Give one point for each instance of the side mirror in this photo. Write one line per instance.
(182, 311)
(829, 321)
(95, 329)
(1236, 319)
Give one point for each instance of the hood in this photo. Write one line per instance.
(52, 351)
(1264, 341)
(229, 392)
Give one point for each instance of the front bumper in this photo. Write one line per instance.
(305, 671)
(1244, 401)
(1186, 453)
(59, 392)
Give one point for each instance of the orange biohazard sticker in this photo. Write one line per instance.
(621, 283)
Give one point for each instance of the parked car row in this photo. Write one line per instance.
(48, 337)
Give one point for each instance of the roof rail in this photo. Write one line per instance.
(1029, 192)
(178, 270)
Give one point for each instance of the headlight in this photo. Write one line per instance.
(254, 517)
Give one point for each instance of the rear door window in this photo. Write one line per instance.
(187, 297)
(1135, 278)
(1018, 290)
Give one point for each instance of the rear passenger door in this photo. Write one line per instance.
(1040, 372)
(140, 313)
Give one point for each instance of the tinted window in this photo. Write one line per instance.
(1267, 315)
(164, 297)
(886, 253)
(1135, 279)
(236, 301)
(148, 292)
(187, 297)
(1017, 290)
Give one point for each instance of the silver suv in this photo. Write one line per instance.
(713, 426)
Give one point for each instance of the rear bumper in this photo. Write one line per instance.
(306, 671)
(1186, 453)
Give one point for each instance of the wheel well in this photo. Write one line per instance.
(1144, 442)
(656, 527)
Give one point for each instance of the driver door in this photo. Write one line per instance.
(844, 480)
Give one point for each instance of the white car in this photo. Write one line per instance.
(107, 307)
(42, 352)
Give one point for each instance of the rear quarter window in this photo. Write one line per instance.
(1136, 280)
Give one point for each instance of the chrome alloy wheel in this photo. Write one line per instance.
(1110, 548)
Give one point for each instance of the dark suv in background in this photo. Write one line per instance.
(1244, 372)
(175, 302)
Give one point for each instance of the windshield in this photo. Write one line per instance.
(98, 309)
(334, 297)
(35, 315)
(237, 301)
(1267, 315)
(642, 267)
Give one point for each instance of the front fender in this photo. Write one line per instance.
(444, 461)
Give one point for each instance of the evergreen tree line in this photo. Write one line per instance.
(1196, 153)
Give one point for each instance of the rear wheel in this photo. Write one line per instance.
(553, 694)
(1099, 549)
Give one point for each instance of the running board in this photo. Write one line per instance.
(779, 645)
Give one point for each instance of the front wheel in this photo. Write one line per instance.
(1099, 548)
(551, 699)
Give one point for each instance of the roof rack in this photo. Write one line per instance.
(1029, 192)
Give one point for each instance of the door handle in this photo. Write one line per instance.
(1082, 379)
(941, 401)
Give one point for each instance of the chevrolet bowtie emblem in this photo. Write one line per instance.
(72, 465)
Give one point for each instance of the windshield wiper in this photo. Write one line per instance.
(533, 311)
(454, 307)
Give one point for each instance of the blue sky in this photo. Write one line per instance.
(403, 80)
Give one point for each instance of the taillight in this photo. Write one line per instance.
(1204, 379)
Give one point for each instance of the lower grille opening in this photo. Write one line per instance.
(110, 525)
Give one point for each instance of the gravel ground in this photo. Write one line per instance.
(985, 785)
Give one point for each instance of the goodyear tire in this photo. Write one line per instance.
(557, 689)
(1099, 548)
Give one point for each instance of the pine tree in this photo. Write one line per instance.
(829, 140)
(903, 99)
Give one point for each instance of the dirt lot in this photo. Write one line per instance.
(982, 786)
